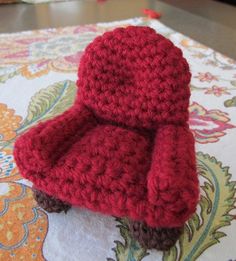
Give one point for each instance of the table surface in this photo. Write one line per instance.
(209, 22)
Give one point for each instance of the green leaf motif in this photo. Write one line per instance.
(49, 102)
(230, 102)
(233, 83)
(195, 88)
(5, 77)
(130, 250)
(216, 202)
(202, 230)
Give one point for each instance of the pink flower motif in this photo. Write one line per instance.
(31, 40)
(85, 28)
(206, 77)
(20, 54)
(217, 90)
(208, 126)
(75, 58)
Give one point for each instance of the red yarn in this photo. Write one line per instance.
(151, 13)
(124, 148)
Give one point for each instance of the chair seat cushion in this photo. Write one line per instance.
(106, 170)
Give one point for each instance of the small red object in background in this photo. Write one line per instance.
(151, 13)
(101, 1)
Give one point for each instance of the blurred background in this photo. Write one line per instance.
(210, 22)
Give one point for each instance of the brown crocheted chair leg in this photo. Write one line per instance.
(50, 204)
(158, 238)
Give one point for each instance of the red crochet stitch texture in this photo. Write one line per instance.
(124, 148)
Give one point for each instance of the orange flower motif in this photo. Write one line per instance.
(206, 77)
(8, 123)
(217, 91)
(188, 43)
(32, 71)
(23, 225)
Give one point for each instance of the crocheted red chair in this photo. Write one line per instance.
(124, 148)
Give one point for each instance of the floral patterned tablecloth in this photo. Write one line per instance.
(37, 81)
